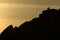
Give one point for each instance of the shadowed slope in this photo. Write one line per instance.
(6, 34)
(37, 28)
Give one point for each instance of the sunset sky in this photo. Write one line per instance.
(16, 12)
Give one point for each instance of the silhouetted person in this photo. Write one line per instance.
(37, 28)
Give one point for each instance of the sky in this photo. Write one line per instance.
(16, 12)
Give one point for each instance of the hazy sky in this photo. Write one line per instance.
(16, 12)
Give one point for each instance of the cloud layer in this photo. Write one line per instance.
(35, 2)
(9, 10)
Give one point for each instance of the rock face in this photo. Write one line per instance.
(37, 28)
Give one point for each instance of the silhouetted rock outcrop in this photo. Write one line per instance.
(37, 28)
(6, 34)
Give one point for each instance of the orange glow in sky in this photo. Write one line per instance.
(16, 12)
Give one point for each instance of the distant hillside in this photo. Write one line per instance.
(37, 28)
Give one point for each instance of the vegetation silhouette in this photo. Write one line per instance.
(37, 28)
